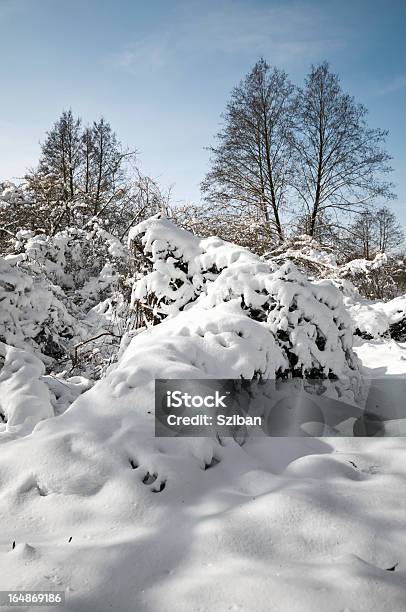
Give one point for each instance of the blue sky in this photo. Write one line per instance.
(161, 72)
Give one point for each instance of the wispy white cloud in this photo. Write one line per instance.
(396, 84)
(146, 53)
(285, 33)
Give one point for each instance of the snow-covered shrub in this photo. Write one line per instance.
(395, 310)
(11, 195)
(307, 254)
(16, 210)
(66, 290)
(32, 315)
(373, 318)
(177, 265)
(369, 318)
(87, 262)
(25, 398)
(241, 227)
(382, 278)
(363, 283)
(307, 320)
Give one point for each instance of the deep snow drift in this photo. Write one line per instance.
(121, 520)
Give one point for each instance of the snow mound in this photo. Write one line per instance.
(221, 342)
(369, 319)
(377, 319)
(24, 398)
(28, 395)
(92, 498)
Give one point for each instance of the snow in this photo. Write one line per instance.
(307, 319)
(364, 266)
(59, 291)
(120, 520)
(375, 318)
(300, 524)
(395, 309)
(383, 358)
(32, 315)
(28, 396)
(306, 253)
(25, 399)
(368, 317)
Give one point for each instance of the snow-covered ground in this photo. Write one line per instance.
(122, 521)
(93, 504)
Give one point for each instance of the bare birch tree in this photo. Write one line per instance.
(250, 163)
(339, 161)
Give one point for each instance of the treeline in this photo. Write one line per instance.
(288, 160)
(84, 172)
(292, 159)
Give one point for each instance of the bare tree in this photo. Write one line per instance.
(82, 173)
(362, 240)
(87, 150)
(146, 198)
(339, 162)
(325, 232)
(53, 182)
(373, 232)
(250, 164)
(105, 176)
(389, 230)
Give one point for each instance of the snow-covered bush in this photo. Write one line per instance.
(369, 276)
(306, 320)
(363, 283)
(66, 290)
(242, 227)
(307, 254)
(25, 398)
(367, 285)
(382, 278)
(395, 310)
(373, 318)
(177, 265)
(84, 261)
(32, 314)
(16, 211)
(10, 193)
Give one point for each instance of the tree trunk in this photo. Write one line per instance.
(270, 180)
